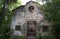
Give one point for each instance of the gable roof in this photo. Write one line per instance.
(22, 6)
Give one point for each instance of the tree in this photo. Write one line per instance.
(6, 16)
(53, 14)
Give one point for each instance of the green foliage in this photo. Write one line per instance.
(19, 37)
(5, 28)
(53, 14)
(12, 6)
(5, 25)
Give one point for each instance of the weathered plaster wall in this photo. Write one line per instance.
(22, 16)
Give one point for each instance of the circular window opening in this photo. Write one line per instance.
(31, 9)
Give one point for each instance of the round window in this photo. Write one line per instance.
(31, 9)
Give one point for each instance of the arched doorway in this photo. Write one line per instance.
(31, 29)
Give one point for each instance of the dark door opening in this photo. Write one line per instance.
(31, 29)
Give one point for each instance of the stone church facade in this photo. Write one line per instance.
(29, 20)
